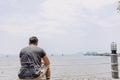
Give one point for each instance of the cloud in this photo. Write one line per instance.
(96, 4)
(53, 17)
(46, 22)
(61, 25)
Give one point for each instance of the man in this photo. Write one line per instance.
(34, 54)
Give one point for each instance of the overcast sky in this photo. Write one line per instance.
(62, 26)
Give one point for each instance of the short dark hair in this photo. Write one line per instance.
(33, 40)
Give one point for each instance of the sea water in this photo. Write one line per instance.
(63, 67)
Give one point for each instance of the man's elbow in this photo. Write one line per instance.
(46, 60)
(47, 63)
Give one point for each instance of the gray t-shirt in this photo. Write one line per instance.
(32, 54)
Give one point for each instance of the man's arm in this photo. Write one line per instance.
(46, 61)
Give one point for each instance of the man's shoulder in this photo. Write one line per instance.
(32, 47)
(39, 48)
(24, 48)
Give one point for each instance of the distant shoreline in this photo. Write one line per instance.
(99, 54)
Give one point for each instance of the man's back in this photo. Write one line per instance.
(34, 54)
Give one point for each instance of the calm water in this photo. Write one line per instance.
(63, 67)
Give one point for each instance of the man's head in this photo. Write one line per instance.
(33, 40)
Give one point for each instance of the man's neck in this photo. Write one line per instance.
(32, 45)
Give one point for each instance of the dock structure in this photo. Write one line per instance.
(114, 61)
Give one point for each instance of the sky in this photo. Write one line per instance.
(62, 26)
